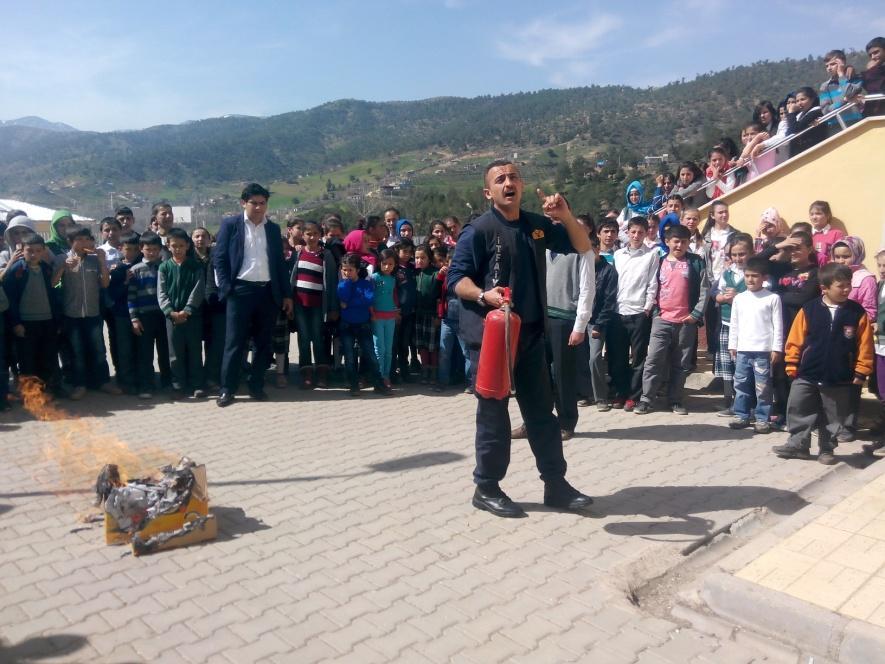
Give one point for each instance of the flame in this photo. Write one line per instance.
(80, 447)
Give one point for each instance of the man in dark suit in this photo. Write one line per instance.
(252, 279)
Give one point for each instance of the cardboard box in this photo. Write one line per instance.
(197, 506)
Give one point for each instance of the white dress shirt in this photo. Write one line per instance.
(255, 264)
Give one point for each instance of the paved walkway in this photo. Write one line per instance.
(837, 561)
(347, 533)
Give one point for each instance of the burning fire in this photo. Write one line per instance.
(80, 447)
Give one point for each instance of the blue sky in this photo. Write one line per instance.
(113, 65)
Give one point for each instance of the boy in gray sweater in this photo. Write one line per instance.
(83, 274)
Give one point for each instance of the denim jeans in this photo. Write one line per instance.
(752, 376)
(448, 337)
(359, 334)
(382, 333)
(89, 358)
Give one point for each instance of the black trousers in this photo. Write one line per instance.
(535, 397)
(251, 314)
(153, 336)
(565, 372)
(403, 341)
(37, 351)
(627, 339)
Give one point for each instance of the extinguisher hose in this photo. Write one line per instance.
(507, 348)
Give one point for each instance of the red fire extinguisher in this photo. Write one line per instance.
(494, 376)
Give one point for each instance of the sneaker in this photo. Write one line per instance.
(845, 436)
(678, 409)
(725, 412)
(642, 408)
(617, 404)
(826, 458)
(629, 405)
(583, 403)
(739, 423)
(145, 395)
(77, 393)
(110, 388)
(199, 394)
(762, 427)
(603, 406)
(791, 452)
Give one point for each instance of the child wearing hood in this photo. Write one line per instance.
(357, 242)
(62, 222)
(636, 206)
(405, 229)
(19, 226)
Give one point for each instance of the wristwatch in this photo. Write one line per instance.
(482, 298)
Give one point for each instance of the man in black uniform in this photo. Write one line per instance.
(506, 247)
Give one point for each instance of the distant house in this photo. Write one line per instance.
(182, 214)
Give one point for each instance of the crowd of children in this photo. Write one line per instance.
(794, 319)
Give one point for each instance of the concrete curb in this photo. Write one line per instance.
(809, 627)
(806, 626)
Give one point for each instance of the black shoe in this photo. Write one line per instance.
(519, 432)
(870, 448)
(564, 496)
(258, 395)
(790, 452)
(224, 399)
(492, 499)
(383, 391)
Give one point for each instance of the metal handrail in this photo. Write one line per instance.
(835, 113)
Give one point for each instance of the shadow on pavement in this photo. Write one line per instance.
(5, 508)
(233, 522)
(411, 462)
(671, 433)
(42, 647)
(677, 504)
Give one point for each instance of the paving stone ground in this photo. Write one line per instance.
(346, 533)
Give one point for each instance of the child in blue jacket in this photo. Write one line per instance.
(355, 295)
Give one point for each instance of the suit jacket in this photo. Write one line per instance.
(227, 257)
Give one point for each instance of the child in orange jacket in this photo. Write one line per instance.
(829, 349)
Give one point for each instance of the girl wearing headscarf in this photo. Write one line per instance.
(771, 229)
(636, 206)
(850, 251)
(357, 242)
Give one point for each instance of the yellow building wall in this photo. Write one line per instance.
(848, 170)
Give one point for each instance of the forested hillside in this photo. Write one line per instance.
(680, 118)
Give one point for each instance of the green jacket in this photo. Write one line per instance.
(181, 287)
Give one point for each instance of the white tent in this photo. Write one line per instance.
(34, 212)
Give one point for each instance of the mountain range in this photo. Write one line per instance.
(42, 159)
